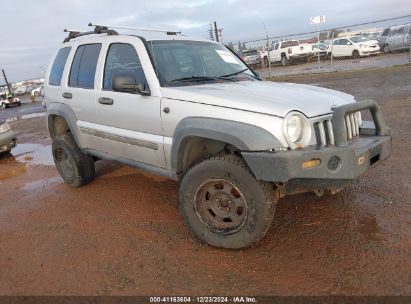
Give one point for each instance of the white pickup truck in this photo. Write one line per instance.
(288, 51)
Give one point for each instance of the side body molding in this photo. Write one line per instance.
(243, 136)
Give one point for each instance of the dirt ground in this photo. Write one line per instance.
(123, 235)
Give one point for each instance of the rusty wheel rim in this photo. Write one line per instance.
(220, 206)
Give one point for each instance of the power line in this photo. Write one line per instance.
(331, 29)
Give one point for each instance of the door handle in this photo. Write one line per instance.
(105, 101)
(67, 95)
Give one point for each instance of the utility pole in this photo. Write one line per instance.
(210, 32)
(7, 82)
(216, 32)
(268, 51)
(220, 34)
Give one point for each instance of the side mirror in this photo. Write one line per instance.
(128, 84)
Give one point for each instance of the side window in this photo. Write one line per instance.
(276, 46)
(122, 59)
(385, 33)
(57, 69)
(336, 42)
(83, 67)
(343, 42)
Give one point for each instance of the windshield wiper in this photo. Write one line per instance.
(201, 78)
(239, 72)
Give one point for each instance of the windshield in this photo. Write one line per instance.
(360, 39)
(183, 62)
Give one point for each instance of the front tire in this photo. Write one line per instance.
(266, 64)
(284, 60)
(355, 54)
(224, 205)
(3, 105)
(75, 167)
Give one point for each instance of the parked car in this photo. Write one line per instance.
(251, 57)
(289, 51)
(396, 38)
(37, 91)
(21, 90)
(8, 139)
(9, 100)
(354, 47)
(200, 116)
(323, 50)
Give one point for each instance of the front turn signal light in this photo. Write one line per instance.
(311, 163)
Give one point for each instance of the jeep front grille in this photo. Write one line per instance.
(324, 131)
(352, 124)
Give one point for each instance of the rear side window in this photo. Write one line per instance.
(289, 43)
(83, 67)
(57, 69)
(122, 59)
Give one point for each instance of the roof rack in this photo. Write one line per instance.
(135, 29)
(97, 30)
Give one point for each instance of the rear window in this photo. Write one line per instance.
(57, 69)
(83, 67)
(289, 43)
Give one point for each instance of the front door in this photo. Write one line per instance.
(128, 124)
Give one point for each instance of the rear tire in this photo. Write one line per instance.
(3, 105)
(224, 205)
(75, 167)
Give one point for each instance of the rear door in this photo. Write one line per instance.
(78, 93)
(128, 125)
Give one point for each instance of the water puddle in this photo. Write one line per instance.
(40, 185)
(27, 116)
(33, 154)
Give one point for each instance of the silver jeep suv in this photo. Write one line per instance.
(193, 111)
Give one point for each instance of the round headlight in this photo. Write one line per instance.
(294, 128)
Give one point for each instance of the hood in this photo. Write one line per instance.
(369, 42)
(265, 97)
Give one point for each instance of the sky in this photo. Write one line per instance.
(33, 30)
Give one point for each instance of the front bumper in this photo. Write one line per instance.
(329, 167)
(352, 161)
(253, 62)
(8, 141)
(299, 56)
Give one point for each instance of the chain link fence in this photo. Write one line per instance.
(381, 44)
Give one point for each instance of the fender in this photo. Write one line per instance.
(67, 113)
(243, 136)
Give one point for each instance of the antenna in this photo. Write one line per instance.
(134, 29)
